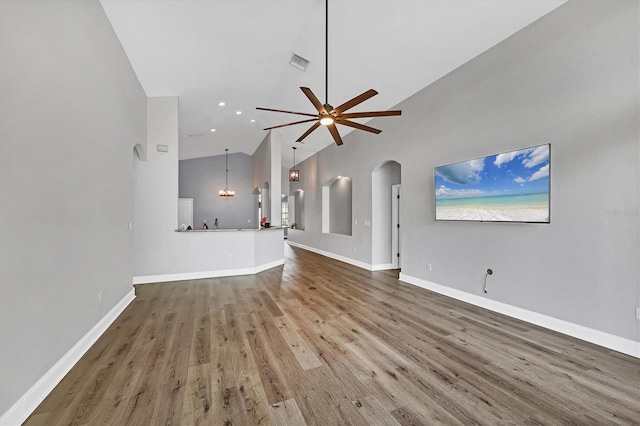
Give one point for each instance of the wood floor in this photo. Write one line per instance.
(320, 342)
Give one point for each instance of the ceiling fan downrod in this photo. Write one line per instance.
(327, 115)
(326, 52)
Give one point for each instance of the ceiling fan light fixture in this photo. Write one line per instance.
(326, 120)
(327, 115)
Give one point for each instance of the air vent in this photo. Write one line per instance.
(299, 62)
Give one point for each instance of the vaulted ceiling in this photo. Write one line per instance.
(238, 52)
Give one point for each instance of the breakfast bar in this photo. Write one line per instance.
(209, 253)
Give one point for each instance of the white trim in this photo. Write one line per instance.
(382, 267)
(269, 265)
(597, 337)
(22, 409)
(149, 279)
(350, 261)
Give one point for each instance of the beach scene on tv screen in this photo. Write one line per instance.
(507, 187)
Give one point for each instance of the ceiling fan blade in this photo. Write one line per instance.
(355, 101)
(314, 100)
(358, 126)
(334, 133)
(371, 114)
(308, 132)
(287, 112)
(291, 124)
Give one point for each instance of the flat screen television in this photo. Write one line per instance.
(508, 187)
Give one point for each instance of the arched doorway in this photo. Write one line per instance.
(385, 216)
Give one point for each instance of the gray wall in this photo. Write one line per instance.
(72, 110)
(202, 178)
(571, 79)
(298, 210)
(340, 211)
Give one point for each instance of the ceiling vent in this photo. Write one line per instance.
(299, 62)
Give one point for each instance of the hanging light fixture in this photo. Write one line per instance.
(226, 192)
(294, 175)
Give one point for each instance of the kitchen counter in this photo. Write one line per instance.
(230, 229)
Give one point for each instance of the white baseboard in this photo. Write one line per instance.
(22, 409)
(149, 279)
(344, 259)
(382, 267)
(597, 337)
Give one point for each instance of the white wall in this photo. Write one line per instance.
(156, 192)
(72, 110)
(276, 178)
(267, 167)
(162, 254)
(571, 79)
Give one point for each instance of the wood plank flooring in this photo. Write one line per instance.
(320, 342)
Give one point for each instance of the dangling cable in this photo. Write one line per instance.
(489, 272)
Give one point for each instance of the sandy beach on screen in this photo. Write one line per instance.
(501, 214)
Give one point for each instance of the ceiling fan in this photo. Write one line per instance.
(328, 115)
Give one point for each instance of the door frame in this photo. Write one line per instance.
(396, 230)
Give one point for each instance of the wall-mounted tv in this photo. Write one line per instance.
(509, 187)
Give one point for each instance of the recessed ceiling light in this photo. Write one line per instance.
(253, 121)
(238, 112)
(213, 130)
(221, 104)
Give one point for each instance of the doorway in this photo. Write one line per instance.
(396, 234)
(385, 216)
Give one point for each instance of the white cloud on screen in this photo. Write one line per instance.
(505, 158)
(536, 156)
(444, 192)
(519, 180)
(462, 173)
(540, 173)
(531, 157)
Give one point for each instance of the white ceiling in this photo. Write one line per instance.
(238, 51)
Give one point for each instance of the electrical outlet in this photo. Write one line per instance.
(100, 296)
(638, 313)
(428, 266)
(229, 257)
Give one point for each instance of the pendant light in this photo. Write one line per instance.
(294, 175)
(226, 192)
